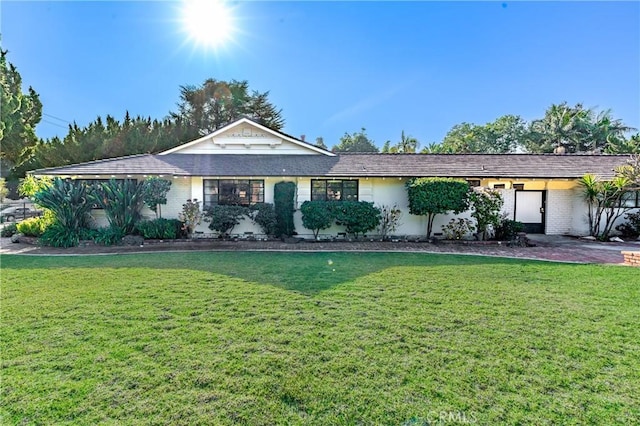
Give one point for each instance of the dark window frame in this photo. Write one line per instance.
(635, 200)
(253, 192)
(326, 190)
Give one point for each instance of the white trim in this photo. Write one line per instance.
(253, 123)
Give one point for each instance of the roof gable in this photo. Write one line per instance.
(245, 136)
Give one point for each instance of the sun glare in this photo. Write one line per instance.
(209, 23)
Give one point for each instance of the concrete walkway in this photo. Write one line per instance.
(547, 247)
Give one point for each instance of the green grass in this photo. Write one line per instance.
(274, 338)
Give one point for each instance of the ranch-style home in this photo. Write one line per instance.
(244, 160)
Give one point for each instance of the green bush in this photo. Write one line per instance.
(358, 217)
(631, 228)
(433, 196)
(264, 214)
(8, 230)
(190, 216)
(507, 229)
(283, 197)
(69, 201)
(155, 193)
(35, 226)
(485, 209)
(59, 235)
(224, 218)
(317, 215)
(457, 229)
(109, 236)
(122, 201)
(389, 219)
(160, 229)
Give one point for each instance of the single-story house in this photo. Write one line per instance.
(244, 160)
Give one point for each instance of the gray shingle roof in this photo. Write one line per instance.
(351, 165)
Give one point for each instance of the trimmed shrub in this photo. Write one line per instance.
(317, 215)
(284, 196)
(34, 227)
(224, 218)
(264, 214)
(358, 217)
(9, 230)
(160, 229)
(433, 196)
(155, 192)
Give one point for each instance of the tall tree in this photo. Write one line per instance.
(356, 142)
(501, 136)
(214, 104)
(320, 142)
(605, 133)
(19, 115)
(405, 145)
(562, 127)
(505, 134)
(464, 138)
(576, 129)
(624, 146)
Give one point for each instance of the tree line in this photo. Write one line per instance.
(563, 129)
(205, 108)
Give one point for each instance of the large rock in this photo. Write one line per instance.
(132, 240)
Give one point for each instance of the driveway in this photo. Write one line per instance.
(547, 247)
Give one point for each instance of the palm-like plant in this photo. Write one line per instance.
(562, 126)
(605, 131)
(605, 201)
(407, 144)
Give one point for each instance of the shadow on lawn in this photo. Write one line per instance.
(306, 273)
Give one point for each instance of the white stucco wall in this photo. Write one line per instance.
(565, 209)
(579, 222)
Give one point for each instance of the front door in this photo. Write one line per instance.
(530, 210)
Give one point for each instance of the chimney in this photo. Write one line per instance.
(302, 137)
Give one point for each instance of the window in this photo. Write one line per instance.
(473, 182)
(518, 186)
(631, 199)
(242, 192)
(334, 190)
(498, 186)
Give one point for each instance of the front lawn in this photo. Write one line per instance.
(317, 338)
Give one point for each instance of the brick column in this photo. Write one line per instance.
(631, 258)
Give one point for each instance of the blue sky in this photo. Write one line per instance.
(334, 67)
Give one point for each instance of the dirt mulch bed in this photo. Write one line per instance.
(566, 253)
